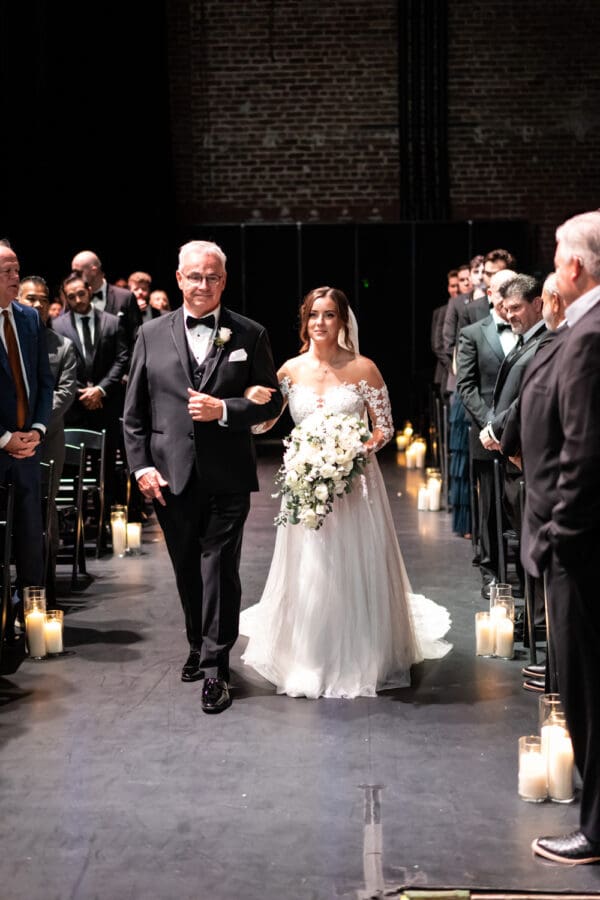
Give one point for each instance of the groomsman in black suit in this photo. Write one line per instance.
(560, 436)
(481, 351)
(26, 386)
(109, 298)
(493, 262)
(440, 376)
(188, 440)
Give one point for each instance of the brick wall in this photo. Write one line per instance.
(287, 110)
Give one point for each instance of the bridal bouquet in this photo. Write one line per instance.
(323, 455)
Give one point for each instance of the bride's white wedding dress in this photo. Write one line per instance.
(337, 617)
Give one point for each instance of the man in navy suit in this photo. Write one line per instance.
(188, 440)
(26, 389)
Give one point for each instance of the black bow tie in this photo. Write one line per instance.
(97, 294)
(209, 321)
(502, 326)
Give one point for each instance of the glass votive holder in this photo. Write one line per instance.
(34, 598)
(532, 781)
(53, 632)
(484, 634)
(548, 705)
(499, 589)
(34, 611)
(502, 614)
(118, 527)
(560, 766)
(134, 538)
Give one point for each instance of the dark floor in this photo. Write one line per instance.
(114, 785)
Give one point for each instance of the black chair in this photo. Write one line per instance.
(48, 520)
(94, 443)
(70, 511)
(12, 651)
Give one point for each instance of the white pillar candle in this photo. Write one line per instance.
(419, 452)
(401, 441)
(550, 734)
(560, 768)
(435, 492)
(34, 627)
(134, 535)
(532, 776)
(119, 536)
(423, 498)
(504, 637)
(410, 457)
(484, 634)
(53, 636)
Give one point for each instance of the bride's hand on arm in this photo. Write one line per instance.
(375, 442)
(259, 394)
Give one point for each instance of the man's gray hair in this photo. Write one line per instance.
(524, 286)
(551, 284)
(201, 247)
(580, 236)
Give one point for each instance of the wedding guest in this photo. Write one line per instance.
(139, 284)
(55, 309)
(107, 297)
(560, 435)
(437, 334)
(493, 262)
(160, 300)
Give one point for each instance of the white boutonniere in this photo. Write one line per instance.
(223, 335)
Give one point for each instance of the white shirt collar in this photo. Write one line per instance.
(576, 310)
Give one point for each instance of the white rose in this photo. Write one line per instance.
(291, 477)
(309, 518)
(339, 488)
(328, 471)
(321, 510)
(321, 492)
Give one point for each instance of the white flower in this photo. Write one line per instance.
(309, 518)
(321, 491)
(223, 335)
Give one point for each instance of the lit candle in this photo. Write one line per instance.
(484, 634)
(119, 536)
(134, 535)
(419, 451)
(560, 768)
(402, 441)
(410, 457)
(34, 627)
(434, 486)
(53, 636)
(423, 498)
(504, 637)
(550, 734)
(532, 776)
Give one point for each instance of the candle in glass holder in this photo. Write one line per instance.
(532, 770)
(34, 629)
(434, 486)
(134, 536)
(53, 631)
(423, 498)
(560, 768)
(504, 645)
(420, 449)
(118, 527)
(410, 457)
(484, 634)
(402, 441)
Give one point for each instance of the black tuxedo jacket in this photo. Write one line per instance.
(437, 346)
(480, 356)
(122, 303)
(510, 376)
(560, 437)
(474, 312)
(109, 362)
(32, 339)
(158, 428)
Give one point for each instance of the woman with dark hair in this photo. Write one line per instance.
(337, 617)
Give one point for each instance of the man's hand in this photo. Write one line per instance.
(487, 440)
(91, 397)
(203, 407)
(259, 394)
(22, 444)
(517, 461)
(150, 484)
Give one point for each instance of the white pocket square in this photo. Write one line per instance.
(238, 355)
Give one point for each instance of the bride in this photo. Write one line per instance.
(337, 617)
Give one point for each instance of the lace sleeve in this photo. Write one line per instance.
(284, 387)
(378, 406)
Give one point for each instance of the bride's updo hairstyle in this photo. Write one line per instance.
(340, 300)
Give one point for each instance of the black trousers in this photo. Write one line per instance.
(574, 619)
(483, 471)
(28, 531)
(203, 533)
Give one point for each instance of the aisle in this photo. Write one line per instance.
(114, 785)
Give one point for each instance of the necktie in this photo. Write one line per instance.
(14, 361)
(87, 340)
(209, 321)
(519, 343)
(502, 326)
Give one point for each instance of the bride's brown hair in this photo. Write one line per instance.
(341, 302)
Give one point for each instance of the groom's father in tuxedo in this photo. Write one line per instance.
(188, 441)
(560, 435)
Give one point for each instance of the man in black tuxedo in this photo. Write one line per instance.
(102, 359)
(560, 436)
(481, 351)
(437, 335)
(188, 441)
(26, 387)
(109, 298)
(493, 262)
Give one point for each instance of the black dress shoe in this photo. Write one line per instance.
(574, 849)
(535, 685)
(534, 671)
(215, 695)
(191, 670)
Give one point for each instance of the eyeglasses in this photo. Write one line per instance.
(196, 278)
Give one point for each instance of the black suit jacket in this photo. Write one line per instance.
(510, 376)
(474, 312)
(122, 303)
(437, 345)
(157, 426)
(480, 356)
(108, 366)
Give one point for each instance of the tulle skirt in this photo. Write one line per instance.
(337, 617)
